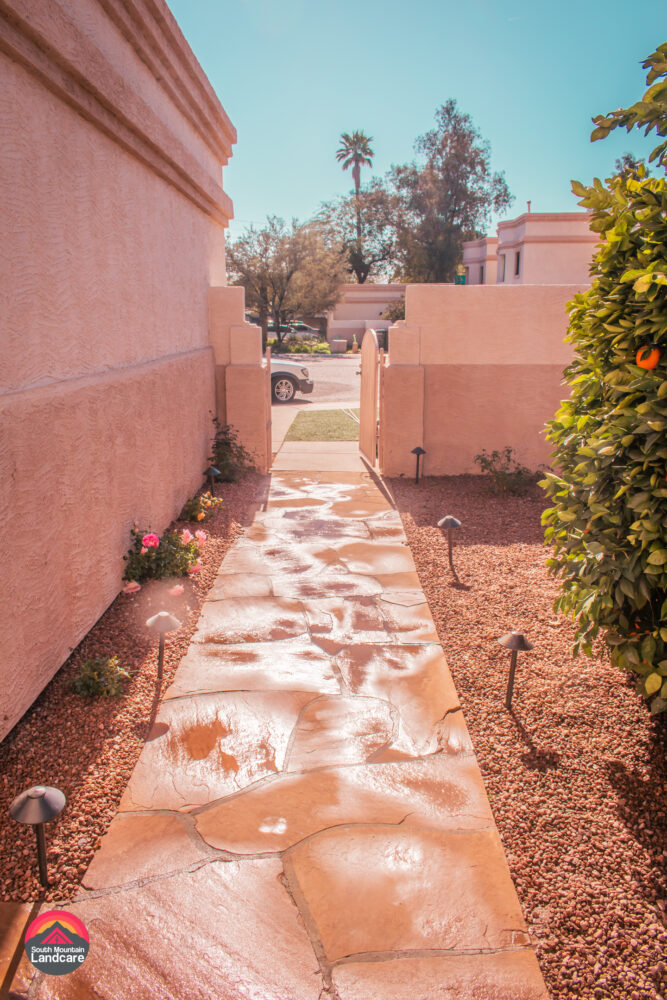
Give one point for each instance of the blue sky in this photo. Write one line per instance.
(293, 75)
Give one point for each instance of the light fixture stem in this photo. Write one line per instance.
(510, 683)
(160, 657)
(41, 853)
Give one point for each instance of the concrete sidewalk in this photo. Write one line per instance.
(308, 820)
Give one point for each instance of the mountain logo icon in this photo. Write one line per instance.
(57, 942)
(56, 935)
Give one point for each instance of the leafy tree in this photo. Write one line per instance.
(628, 164)
(363, 228)
(286, 271)
(609, 515)
(445, 197)
(355, 151)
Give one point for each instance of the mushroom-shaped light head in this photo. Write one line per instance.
(515, 640)
(449, 522)
(212, 471)
(418, 451)
(37, 805)
(163, 622)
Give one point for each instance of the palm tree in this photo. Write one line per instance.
(355, 151)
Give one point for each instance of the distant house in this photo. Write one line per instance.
(537, 248)
(360, 308)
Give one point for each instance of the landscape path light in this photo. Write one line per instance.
(517, 643)
(449, 523)
(37, 806)
(210, 474)
(418, 452)
(162, 623)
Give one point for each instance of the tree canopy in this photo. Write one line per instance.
(412, 225)
(286, 270)
(609, 515)
(363, 228)
(447, 195)
(355, 151)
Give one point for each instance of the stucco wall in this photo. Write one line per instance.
(473, 369)
(555, 248)
(111, 152)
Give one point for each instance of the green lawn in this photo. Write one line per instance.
(324, 425)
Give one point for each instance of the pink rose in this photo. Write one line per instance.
(150, 541)
(201, 536)
(186, 536)
(144, 550)
(176, 590)
(132, 587)
(197, 568)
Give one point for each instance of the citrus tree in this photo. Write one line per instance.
(608, 522)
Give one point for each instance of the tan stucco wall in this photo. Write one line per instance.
(359, 308)
(111, 152)
(555, 248)
(490, 360)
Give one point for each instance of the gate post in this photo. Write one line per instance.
(401, 403)
(242, 399)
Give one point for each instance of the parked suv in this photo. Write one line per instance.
(288, 378)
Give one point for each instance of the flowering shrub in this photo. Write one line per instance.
(200, 507)
(100, 677)
(152, 558)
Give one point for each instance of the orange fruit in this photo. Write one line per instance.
(649, 360)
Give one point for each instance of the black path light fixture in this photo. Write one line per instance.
(211, 474)
(516, 642)
(162, 623)
(450, 523)
(35, 807)
(418, 452)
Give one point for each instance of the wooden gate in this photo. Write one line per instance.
(371, 360)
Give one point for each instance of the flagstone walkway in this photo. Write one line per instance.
(307, 820)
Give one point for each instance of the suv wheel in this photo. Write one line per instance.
(283, 389)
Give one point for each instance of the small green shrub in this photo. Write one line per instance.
(506, 474)
(201, 506)
(230, 457)
(100, 677)
(152, 558)
(297, 345)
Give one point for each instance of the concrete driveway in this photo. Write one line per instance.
(336, 384)
(334, 376)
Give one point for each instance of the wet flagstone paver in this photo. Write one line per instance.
(308, 820)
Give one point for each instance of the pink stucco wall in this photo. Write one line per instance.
(473, 369)
(112, 146)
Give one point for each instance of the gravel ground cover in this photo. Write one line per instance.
(88, 747)
(577, 773)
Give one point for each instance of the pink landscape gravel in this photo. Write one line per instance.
(88, 747)
(577, 773)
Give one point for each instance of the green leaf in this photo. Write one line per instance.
(658, 557)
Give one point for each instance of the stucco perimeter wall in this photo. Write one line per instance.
(111, 152)
(473, 368)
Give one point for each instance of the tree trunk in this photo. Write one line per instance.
(264, 323)
(356, 173)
